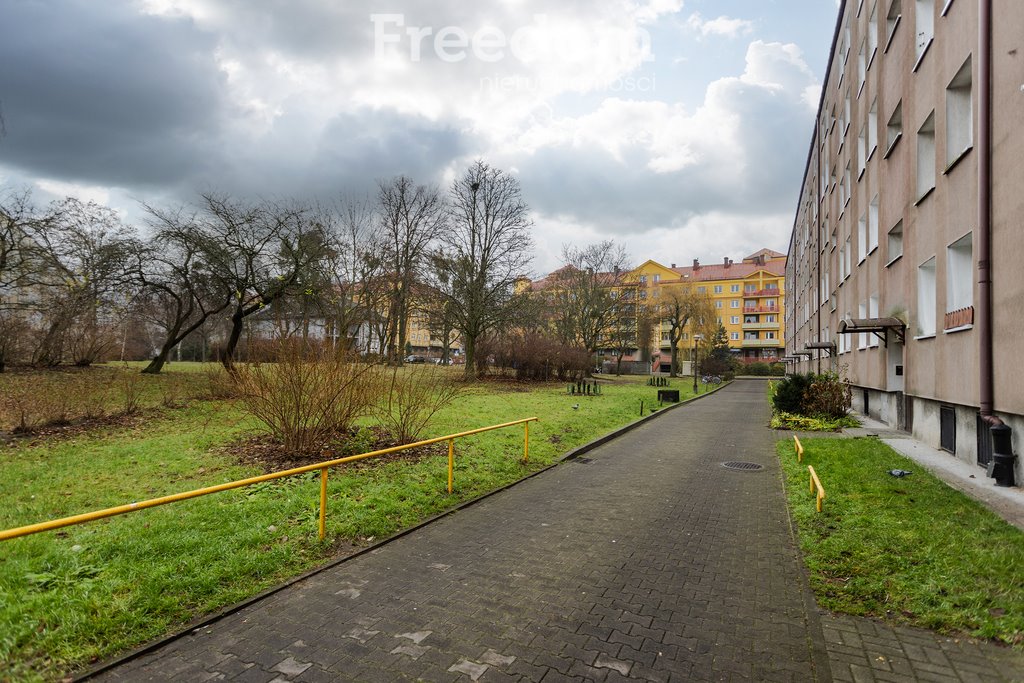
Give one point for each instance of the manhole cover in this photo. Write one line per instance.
(742, 466)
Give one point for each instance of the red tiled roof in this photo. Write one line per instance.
(736, 271)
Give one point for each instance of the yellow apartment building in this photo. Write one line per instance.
(747, 296)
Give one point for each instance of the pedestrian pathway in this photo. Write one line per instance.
(644, 560)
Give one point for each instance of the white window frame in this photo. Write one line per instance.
(926, 305)
(926, 157)
(960, 274)
(959, 115)
(862, 238)
(894, 246)
(873, 225)
(924, 28)
(894, 128)
(892, 21)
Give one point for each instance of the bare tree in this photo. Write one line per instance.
(260, 252)
(436, 308)
(19, 220)
(81, 280)
(630, 328)
(411, 218)
(177, 281)
(349, 267)
(487, 248)
(682, 305)
(585, 293)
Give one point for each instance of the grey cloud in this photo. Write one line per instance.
(349, 155)
(92, 90)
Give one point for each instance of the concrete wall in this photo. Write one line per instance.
(940, 368)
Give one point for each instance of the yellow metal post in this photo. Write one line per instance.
(799, 449)
(323, 503)
(451, 465)
(816, 488)
(526, 442)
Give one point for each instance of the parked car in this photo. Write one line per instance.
(415, 359)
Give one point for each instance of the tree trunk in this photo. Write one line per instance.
(157, 364)
(228, 359)
(675, 361)
(469, 374)
(618, 366)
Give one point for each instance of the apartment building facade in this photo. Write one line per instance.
(748, 298)
(904, 258)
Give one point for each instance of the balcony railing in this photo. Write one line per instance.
(762, 309)
(756, 343)
(761, 326)
(763, 292)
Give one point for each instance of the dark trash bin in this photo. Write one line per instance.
(1003, 458)
(668, 395)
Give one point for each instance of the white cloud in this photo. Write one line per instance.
(85, 193)
(720, 26)
(652, 10)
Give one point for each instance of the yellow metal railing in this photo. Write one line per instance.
(816, 484)
(322, 466)
(799, 449)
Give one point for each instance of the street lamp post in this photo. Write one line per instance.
(693, 363)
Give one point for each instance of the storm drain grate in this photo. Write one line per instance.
(742, 466)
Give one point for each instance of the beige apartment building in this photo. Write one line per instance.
(905, 259)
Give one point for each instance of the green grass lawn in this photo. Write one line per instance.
(908, 550)
(84, 593)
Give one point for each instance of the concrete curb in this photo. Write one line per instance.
(205, 620)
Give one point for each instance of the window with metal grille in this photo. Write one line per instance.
(947, 428)
(984, 442)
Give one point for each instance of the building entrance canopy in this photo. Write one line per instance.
(876, 326)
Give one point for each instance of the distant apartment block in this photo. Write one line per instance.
(747, 296)
(905, 258)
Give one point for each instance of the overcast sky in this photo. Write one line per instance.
(678, 127)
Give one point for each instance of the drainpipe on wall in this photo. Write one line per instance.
(817, 231)
(1001, 466)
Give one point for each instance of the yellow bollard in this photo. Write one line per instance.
(799, 449)
(816, 484)
(451, 465)
(323, 503)
(526, 442)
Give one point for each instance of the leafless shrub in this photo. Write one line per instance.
(30, 405)
(414, 395)
(88, 343)
(91, 392)
(219, 385)
(172, 391)
(311, 395)
(131, 391)
(538, 356)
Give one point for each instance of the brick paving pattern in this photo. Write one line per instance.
(863, 650)
(644, 560)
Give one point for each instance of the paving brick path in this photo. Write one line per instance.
(644, 560)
